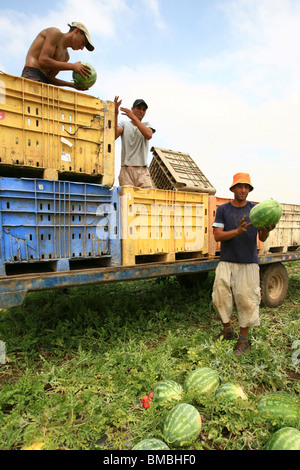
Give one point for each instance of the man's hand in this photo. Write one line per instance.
(129, 113)
(264, 232)
(117, 104)
(243, 226)
(83, 70)
(78, 87)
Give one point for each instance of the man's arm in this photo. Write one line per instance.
(222, 236)
(57, 82)
(145, 131)
(47, 62)
(118, 129)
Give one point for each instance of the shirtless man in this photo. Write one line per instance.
(48, 54)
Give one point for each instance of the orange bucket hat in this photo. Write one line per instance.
(243, 178)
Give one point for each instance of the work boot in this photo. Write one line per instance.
(241, 346)
(227, 334)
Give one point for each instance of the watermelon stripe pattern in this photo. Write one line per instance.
(182, 425)
(284, 439)
(265, 213)
(230, 392)
(203, 380)
(167, 391)
(85, 82)
(151, 444)
(280, 408)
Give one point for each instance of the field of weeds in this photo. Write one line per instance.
(78, 363)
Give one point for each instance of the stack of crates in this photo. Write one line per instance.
(161, 225)
(170, 222)
(59, 209)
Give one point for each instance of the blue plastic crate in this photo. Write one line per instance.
(58, 221)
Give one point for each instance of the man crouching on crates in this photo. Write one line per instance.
(237, 275)
(48, 55)
(135, 144)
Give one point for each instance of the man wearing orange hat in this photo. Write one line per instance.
(237, 274)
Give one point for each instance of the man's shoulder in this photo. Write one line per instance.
(52, 31)
(225, 206)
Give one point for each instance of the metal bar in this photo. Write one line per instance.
(14, 288)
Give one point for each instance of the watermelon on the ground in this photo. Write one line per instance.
(287, 438)
(265, 213)
(230, 392)
(202, 380)
(85, 82)
(151, 444)
(281, 408)
(182, 425)
(166, 391)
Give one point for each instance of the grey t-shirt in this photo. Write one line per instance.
(135, 146)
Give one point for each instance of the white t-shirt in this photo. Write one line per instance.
(135, 146)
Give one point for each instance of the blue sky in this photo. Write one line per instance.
(221, 77)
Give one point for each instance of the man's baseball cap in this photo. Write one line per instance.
(138, 102)
(83, 28)
(241, 178)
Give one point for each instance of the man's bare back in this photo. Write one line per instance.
(48, 55)
(60, 53)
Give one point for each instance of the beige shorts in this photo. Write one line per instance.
(237, 283)
(138, 176)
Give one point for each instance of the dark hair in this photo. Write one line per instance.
(76, 27)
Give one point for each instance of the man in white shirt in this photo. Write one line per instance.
(135, 144)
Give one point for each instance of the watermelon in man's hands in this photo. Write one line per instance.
(85, 82)
(265, 213)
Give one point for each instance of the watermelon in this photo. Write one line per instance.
(284, 439)
(265, 213)
(182, 425)
(280, 408)
(151, 444)
(203, 380)
(85, 82)
(230, 392)
(167, 390)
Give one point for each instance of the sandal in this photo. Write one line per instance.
(227, 334)
(242, 346)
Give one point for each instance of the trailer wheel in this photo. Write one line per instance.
(274, 284)
(190, 280)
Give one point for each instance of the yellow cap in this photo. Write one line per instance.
(83, 28)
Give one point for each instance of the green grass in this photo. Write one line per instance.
(79, 363)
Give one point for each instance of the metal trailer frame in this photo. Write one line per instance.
(13, 289)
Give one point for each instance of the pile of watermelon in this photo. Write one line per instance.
(183, 423)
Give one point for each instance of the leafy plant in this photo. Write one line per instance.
(79, 363)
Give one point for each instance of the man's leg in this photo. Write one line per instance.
(247, 299)
(223, 300)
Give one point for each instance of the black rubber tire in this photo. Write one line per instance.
(274, 283)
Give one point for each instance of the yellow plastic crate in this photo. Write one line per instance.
(161, 225)
(52, 128)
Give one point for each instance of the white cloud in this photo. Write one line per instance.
(153, 6)
(222, 132)
(264, 55)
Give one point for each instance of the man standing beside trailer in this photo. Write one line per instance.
(237, 274)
